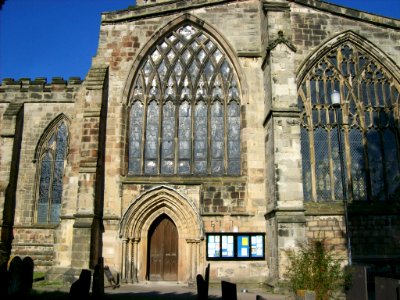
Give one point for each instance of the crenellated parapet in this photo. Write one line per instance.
(38, 89)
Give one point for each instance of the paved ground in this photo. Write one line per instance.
(164, 290)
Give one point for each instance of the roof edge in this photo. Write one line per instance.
(350, 13)
(136, 12)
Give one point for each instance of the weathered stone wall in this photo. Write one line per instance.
(40, 103)
(37, 243)
(313, 27)
(268, 43)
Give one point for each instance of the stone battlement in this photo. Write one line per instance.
(40, 84)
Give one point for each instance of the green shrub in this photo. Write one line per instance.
(313, 268)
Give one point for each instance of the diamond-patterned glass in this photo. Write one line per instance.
(182, 73)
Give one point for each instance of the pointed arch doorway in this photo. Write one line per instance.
(163, 250)
(152, 214)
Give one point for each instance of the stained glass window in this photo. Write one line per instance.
(366, 122)
(185, 108)
(51, 162)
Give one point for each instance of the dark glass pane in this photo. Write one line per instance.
(321, 92)
(150, 167)
(364, 93)
(167, 167)
(315, 115)
(152, 132)
(313, 91)
(375, 165)
(217, 131)
(387, 94)
(168, 136)
(134, 166)
(233, 138)
(184, 168)
(45, 175)
(217, 167)
(306, 164)
(234, 167)
(357, 165)
(233, 150)
(167, 149)
(42, 212)
(322, 165)
(200, 138)
(217, 150)
(185, 136)
(135, 137)
(44, 189)
(61, 142)
(184, 150)
(200, 167)
(200, 152)
(57, 181)
(185, 133)
(392, 165)
(55, 213)
(323, 113)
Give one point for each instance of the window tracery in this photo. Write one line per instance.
(369, 118)
(185, 109)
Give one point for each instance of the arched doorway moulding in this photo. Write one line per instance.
(138, 218)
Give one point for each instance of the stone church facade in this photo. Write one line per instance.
(204, 132)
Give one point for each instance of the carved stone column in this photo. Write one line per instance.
(135, 256)
(124, 263)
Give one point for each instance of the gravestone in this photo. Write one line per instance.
(98, 279)
(202, 284)
(27, 275)
(15, 273)
(4, 280)
(258, 297)
(386, 288)
(229, 291)
(358, 289)
(80, 289)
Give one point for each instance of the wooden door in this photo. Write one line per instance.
(163, 252)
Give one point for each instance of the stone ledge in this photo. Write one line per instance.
(189, 180)
(287, 215)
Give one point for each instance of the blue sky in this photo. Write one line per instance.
(58, 38)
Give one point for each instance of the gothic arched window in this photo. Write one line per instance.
(185, 109)
(369, 128)
(51, 159)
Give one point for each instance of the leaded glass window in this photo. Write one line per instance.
(185, 109)
(51, 162)
(368, 125)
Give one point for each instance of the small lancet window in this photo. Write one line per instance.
(51, 164)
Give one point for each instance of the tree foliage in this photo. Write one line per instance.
(313, 268)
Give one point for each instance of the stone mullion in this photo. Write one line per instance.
(310, 130)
